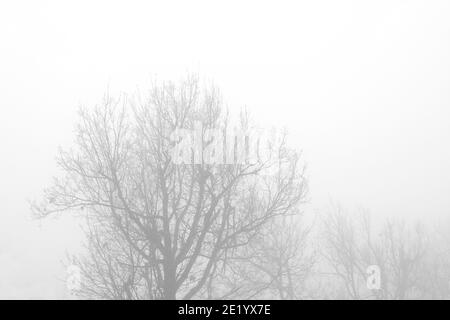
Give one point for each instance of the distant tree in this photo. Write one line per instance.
(398, 250)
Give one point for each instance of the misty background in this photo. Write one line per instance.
(362, 87)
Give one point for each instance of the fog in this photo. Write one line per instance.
(361, 86)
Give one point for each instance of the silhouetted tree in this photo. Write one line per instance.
(164, 229)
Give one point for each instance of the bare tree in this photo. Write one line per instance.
(397, 249)
(277, 262)
(342, 251)
(406, 248)
(432, 278)
(158, 229)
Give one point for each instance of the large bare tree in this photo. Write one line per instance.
(163, 229)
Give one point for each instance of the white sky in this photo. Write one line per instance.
(363, 87)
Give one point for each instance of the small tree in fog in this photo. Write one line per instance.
(161, 229)
(352, 244)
